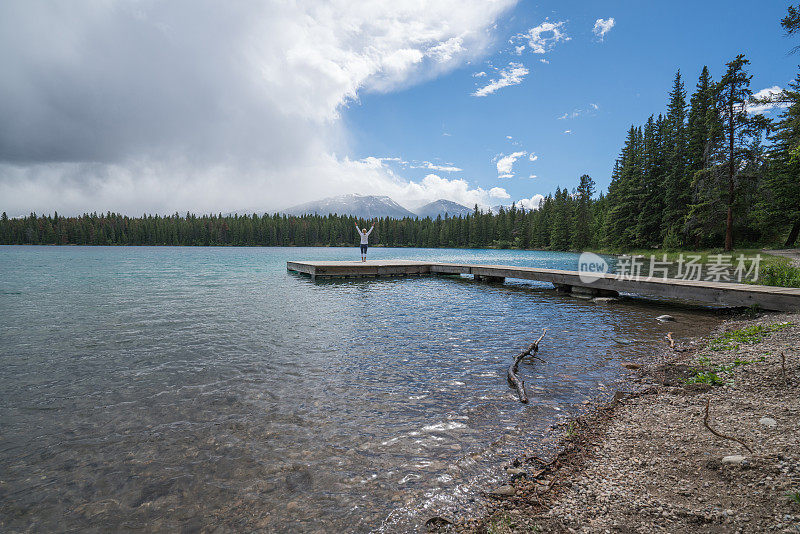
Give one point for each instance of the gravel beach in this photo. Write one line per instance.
(649, 461)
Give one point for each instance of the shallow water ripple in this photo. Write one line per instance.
(174, 388)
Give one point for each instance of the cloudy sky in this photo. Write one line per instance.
(162, 106)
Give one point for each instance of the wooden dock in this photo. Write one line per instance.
(724, 294)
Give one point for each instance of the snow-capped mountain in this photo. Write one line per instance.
(442, 207)
(496, 209)
(366, 206)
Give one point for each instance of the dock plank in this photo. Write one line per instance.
(708, 292)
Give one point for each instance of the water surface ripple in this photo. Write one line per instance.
(202, 388)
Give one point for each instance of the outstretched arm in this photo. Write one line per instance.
(370, 230)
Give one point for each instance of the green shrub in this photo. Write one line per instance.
(711, 375)
(747, 336)
(705, 377)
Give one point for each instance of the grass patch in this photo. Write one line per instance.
(705, 377)
(745, 336)
(780, 274)
(712, 375)
(794, 496)
(715, 374)
(571, 429)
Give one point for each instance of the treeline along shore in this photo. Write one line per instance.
(710, 173)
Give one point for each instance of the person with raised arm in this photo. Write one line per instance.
(364, 233)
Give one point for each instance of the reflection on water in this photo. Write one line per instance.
(180, 388)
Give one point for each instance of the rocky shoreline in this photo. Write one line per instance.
(647, 461)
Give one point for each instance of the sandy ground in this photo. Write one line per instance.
(647, 462)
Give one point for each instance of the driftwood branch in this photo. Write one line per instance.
(723, 436)
(672, 344)
(513, 379)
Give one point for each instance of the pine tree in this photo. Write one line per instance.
(782, 203)
(619, 228)
(562, 219)
(739, 129)
(582, 219)
(677, 185)
(650, 190)
(704, 136)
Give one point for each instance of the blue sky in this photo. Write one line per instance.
(196, 105)
(626, 75)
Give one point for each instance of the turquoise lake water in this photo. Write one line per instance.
(193, 389)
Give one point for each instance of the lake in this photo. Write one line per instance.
(208, 388)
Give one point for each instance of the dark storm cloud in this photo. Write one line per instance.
(84, 81)
(146, 105)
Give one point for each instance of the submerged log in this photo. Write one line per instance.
(516, 383)
(513, 379)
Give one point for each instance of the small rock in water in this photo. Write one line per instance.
(665, 318)
(768, 422)
(505, 490)
(630, 365)
(437, 522)
(734, 459)
(623, 341)
(515, 471)
(604, 300)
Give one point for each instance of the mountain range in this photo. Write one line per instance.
(371, 207)
(443, 207)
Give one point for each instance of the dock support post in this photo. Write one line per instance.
(586, 291)
(490, 279)
(607, 293)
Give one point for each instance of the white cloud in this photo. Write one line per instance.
(530, 203)
(480, 74)
(543, 60)
(567, 131)
(509, 137)
(533, 157)
(376, 162)
(444, 52)
(519, 49)
(577, 112)
(543, 37)
(511, 75)
(433, 187)
(498, 193)
(772, 98)
(241, 108)
(401, 60)
(436, 167)
(505, 164)
(371, 176)
(532, 176)
(602, 27)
